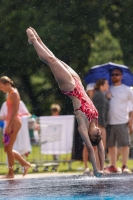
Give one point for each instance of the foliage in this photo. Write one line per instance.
(105, 48)
(70, 29)
(119, 17)
(66, 26)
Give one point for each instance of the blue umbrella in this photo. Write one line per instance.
(104, 71)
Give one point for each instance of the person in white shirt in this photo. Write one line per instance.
(118, 121)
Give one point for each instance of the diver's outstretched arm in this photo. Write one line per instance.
(101, 155)
(82, 128)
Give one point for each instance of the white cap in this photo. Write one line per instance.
(90, 86)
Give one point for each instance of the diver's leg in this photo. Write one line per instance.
(62, 75)
(72, 72)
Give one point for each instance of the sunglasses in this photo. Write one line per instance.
(116, 74)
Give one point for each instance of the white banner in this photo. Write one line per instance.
(56, 134)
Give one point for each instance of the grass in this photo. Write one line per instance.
(65, 166)
(37, 158)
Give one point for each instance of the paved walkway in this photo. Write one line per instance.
(41, 175)
(57, 174)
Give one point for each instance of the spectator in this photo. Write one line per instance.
(32, 124)
(102, 105)
(130, 109)
(90, 89)
(13, 125)
(55, 110)
(119, 119)
(22, 143)
(23, 111)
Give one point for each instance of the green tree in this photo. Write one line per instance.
(105, 48)
(119, 17)
(66, 26)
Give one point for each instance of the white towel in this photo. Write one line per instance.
(22, 143)
(22, 109)
(57, 134)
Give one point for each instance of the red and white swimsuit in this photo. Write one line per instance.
(87, 105)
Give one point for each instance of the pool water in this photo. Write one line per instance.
(69, 187)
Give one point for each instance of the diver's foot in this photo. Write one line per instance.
(35, 34)
(7, 176)
(26, 168)
(31, 36)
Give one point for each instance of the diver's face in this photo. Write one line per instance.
(95, 134)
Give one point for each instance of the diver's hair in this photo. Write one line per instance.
(100, 82)
(55, 107)
(5, 79)
(95, 142)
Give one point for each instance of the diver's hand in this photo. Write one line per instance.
(98, 174)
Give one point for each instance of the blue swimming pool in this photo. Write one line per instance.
(80, 187)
